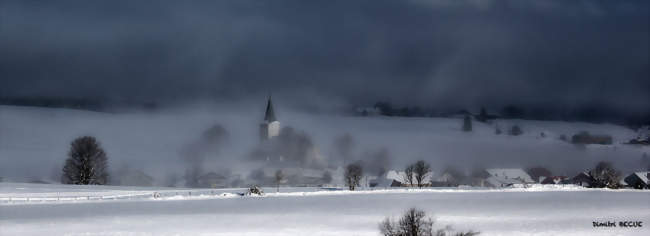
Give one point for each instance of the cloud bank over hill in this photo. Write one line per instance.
(430, 53)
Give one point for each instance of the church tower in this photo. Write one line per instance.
(270, 126)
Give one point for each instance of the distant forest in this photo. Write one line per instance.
(75, 103)
(592, 114)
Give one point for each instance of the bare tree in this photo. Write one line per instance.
(279, 177)
(86, 164)
(408, 174)
(467, 123)
(605, 176)
(353, 175)
(421, 170)
(414, 222)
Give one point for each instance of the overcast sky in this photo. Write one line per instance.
(560, 53)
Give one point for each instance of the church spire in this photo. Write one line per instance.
(269, 116)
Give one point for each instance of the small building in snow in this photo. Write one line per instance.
(583, 179)
(394, 178)
(554, 180)
(638, 180)
(508, 177)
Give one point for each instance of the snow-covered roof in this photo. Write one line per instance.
(553, 179)
(269, 115)
(643, 176)
(499, 177)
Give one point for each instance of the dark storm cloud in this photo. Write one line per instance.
(566, 53)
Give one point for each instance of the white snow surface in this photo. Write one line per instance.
(539, 210)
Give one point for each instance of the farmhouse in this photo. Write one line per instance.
(507, 177)
(583, 179)
(638, 180)
(555, 180)
(394, 178)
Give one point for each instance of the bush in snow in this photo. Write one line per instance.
(414, 222)
(605, 176)
(86, 163)
(255, 190)
(353, 175)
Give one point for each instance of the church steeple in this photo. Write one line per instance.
(269, 116)
(270, 126)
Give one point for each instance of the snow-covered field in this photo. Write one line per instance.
(300, 211)
(34, 143)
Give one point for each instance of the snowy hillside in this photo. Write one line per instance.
(34, 141)
(316, 212)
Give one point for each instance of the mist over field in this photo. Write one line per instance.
(338, 117)
(34, 141)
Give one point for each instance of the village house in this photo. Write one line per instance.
(394, 178)
(508, 177)
(554, 180)
(638, 180)
(583, 179)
